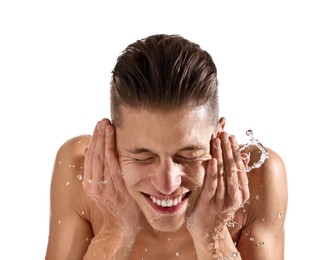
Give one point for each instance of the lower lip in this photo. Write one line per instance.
(167, 210)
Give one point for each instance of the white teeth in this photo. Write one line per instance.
(167, 202)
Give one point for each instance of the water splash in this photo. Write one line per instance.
(254, 142)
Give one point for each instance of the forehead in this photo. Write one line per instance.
(186, 126)
(175, 119)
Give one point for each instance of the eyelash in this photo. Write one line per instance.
(143, 160)
(188, 159)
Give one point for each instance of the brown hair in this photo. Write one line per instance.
(164, 73)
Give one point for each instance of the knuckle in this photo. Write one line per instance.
(98, 158)
(96, 190)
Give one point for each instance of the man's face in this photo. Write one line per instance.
(163, 158)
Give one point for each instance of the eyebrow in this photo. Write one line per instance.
(186, 148)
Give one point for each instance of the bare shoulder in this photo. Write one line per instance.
(68, 171)
(70, 230)
(69, 162)
(74, 147)
(263, 230)
(268, 188)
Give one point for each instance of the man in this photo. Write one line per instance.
(164, 180)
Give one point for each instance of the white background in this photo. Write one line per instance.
(274, 62)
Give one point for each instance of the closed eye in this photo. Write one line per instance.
(143, 161)
(185, 159)
(200, 158)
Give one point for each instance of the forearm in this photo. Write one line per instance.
(215, 245)
(112, 244)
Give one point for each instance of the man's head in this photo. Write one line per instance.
(165, 109)
(164, 73)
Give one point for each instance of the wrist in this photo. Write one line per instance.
(216, 244)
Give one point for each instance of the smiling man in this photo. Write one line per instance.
(163, 180)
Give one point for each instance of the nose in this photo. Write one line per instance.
(168, 178)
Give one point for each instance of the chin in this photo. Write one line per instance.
(166, 224)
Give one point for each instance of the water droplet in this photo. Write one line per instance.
(263, 219)
(86, 239)
(252, 239)
(257, 197)
(231, 223)
(279, 214)
(59, 221)
(235, 254)
(169, 239)
(67, 183)
(73, 166)
(79, 177)
(60, 162)
(83, 213)
(177, 254)
(249, 132)
(260, 243)
(146, 250)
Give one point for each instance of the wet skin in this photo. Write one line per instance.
(162, 157)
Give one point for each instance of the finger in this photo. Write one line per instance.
(230, 166)
(210, 183)
(245, 159)
(217, 154)
(112, 162)
(99, 154)
(238, 159)
(88, 160)
(242, 174)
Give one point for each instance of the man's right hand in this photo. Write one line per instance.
(103, 181)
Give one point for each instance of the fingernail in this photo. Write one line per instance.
(233, 140)
(103, 124)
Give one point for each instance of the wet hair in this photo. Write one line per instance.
(163, 73)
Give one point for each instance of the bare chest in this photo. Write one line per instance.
(177, 245)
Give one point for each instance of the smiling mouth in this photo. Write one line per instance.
(168, 202)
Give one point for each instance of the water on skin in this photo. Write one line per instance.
(232, 223)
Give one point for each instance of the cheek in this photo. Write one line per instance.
(195, 173)
(134, 174)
